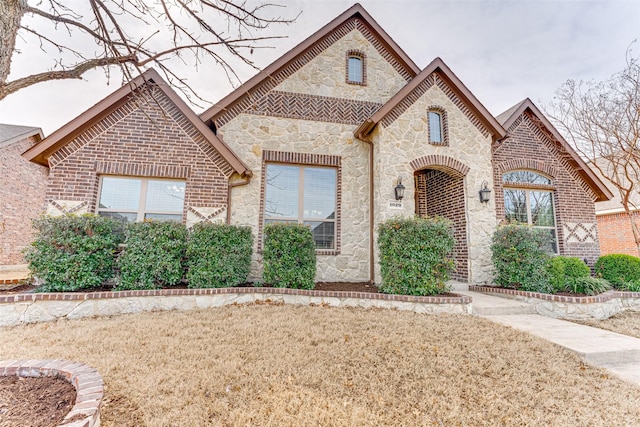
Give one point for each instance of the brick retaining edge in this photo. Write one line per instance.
(86, 380)
(604, 297)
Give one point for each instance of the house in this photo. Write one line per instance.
(616, 235)
(22, 187)
(324, 136)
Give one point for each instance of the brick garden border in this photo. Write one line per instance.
(597, 307)
(86, 380)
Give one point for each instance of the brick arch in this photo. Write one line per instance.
(527, 164)
(438, 162)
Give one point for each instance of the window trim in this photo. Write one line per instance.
(302, 160)
(363, 62)
(142, 198)
(528, 188)
(444, 125)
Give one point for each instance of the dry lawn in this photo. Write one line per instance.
(316, 366)
(626, 323)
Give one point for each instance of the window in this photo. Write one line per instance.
(137, 199)
(356, 68)
(303, 194)
(435, 127)
(530, 206)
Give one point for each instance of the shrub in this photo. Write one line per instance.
(588, 285)
(631, 286)
(519, 255)
(73, 252)
(415, 255)
(618, 269)
(289, 256)
(154, 255)
(556, 271)
(218, 255)
(575, 267)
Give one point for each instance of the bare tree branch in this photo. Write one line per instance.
(602, 122)
(133, 34)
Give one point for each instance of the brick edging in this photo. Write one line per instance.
(82, 296)
(86, 380)
(604, 297)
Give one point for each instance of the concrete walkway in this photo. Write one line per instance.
(620, 354)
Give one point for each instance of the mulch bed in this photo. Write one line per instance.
(41, 401)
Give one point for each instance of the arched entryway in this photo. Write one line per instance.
(440, 192)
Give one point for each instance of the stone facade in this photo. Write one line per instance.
(144, 138)
(318, 118)
(530, 147)
(402, 148)
(22, 189)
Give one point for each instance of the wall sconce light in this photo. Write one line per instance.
(484, 192)
(399, 189)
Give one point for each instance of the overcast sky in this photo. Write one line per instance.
(503, 51)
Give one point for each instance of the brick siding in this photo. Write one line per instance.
(441, 194)
(616, 236)
(529, 146)
(22, 189)
(141, 138)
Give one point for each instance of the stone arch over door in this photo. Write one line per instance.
(439, 191)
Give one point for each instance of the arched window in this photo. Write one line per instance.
(437, 125)
(528, 198)
(356, 68)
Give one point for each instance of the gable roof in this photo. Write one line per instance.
(586, 173)
(40, 152)
(355, 11)
(436, 66)
(14, 133)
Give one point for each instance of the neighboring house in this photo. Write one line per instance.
(324, 136)
(22, 187)
(616, 236)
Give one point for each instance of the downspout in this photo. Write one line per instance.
(246, 178)
(371, 217)
(362, 135)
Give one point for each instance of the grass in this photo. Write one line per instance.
(625, 322)
(276, 365)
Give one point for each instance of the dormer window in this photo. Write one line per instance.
(356, 68)
(437, 123)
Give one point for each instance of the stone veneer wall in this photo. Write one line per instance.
(405, 139)
(314, 111)
(249, 135)
(148, 138)
(22, 190)
(529, 147)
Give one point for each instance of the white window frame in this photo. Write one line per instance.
(359, 80)
(142, 200)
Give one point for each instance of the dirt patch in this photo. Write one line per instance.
(40, 401)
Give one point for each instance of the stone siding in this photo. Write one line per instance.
(147, 138)
(22, 196)
(248, 135)
(401, 148)
(314, 111)
(529, 147)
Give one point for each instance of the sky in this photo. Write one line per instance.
(503, 50)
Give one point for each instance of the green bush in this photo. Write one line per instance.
(289, 256)
(631, 286)
(154, 255)
(575, 267)
(618, 269)
(218, 255)
(519, 255)
(415, 255)
(556, 271)
(588, 285)
(73, 252)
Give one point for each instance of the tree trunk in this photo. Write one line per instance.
(11, 12)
